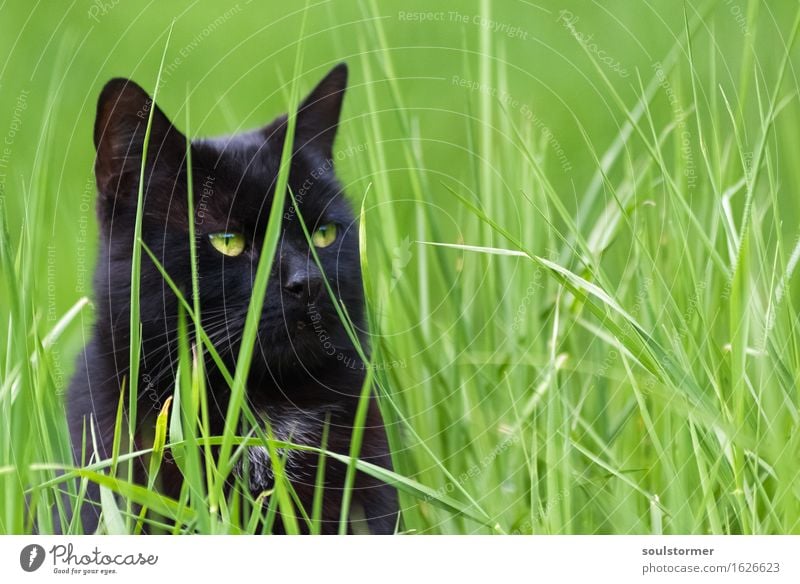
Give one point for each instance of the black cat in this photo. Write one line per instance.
(305, 369)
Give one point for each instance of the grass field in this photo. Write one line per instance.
(581, 226)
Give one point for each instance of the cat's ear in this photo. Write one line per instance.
(119, 132)
(317, 115)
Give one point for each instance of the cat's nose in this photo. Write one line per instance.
(301, 284)
(295, 286)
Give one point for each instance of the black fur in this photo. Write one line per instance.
(304, 367)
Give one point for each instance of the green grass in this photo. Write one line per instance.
(578, 257)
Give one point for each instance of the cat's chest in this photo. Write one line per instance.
(303, 426)
(299, 424)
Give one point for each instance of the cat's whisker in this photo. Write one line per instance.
(214, 332)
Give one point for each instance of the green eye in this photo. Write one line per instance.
(324, 236)
(230, 244)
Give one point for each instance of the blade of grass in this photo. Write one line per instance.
(136, 260)
(266, 257)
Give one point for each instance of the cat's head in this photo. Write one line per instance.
(234, 180)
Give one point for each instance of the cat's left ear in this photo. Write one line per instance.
(318, 114)
(123, 110)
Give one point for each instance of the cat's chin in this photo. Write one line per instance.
(296, 349)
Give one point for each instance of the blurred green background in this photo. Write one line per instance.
(442, 96)
(234, 61)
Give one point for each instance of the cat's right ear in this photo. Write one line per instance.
(119, 132)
